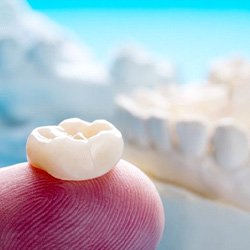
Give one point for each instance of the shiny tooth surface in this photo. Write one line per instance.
(75, 149)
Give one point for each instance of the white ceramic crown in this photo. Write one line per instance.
(75, 149)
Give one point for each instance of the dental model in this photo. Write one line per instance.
(133, 66)
(232, 71)
(189, 136)
(234, 74)
(76, 193)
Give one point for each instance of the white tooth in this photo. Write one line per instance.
(132, 120)
(75, 149)
(137, 129)
(230, 144)
(192, 136)
(158, 130)
(123, 116)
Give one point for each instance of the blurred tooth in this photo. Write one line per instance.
(230, 143)
(132, 120)
(133, 127)
(123, 117)
(138, 130)
(192, 136)
(158, 130)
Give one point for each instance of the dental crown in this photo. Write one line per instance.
(75, 149)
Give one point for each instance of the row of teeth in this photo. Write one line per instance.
(225, 141)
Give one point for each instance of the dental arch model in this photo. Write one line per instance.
(95, 148)
(187, 136)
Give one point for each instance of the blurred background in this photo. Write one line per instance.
(61, 59)
(189, 33)
(52, 51)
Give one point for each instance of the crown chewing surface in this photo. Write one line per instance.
(75, 149)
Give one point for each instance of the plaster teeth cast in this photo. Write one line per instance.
(75, 149)
(138, 122)
(132, 119)
(192, 136)
(230, 144)
(231, 71)
(123, 120)
(158, 130)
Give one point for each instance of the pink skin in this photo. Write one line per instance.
(120, 210)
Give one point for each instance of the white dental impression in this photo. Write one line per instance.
(75, 149)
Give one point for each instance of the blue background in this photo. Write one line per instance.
(208, 4)
(188, 33)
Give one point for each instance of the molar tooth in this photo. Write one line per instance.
(158, 130)
(79, 135)
(75, 149)
(230, 144)
(192, 136)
